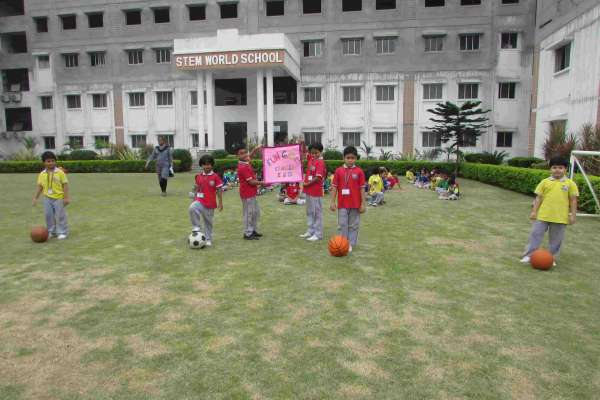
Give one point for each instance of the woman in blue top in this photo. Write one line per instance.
(164, 161)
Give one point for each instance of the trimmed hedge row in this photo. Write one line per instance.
(524, 162)
(84, 166)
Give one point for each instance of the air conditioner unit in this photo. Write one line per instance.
(16, 97)
(5, 98)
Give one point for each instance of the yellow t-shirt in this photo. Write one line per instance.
(52, 183)
(555, 199)
(375, 184)
(410, 176)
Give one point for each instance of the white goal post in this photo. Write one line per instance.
(575, 162)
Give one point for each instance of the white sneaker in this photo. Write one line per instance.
(350, 249)
(525, 260)
(306, 235)
(208, 243)
(313, 238)
(62, 236)
(196, 229)
(554, 263)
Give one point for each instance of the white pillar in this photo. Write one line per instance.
(201, 119)
(260, 105)
(270, 136)
(210, 107)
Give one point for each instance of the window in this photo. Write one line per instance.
(99, 100)
(18, 119)
(384, 93)
(434, 43)
(194, 98)
(470, 2)
(313, 48)
(351, 46)
(435, 3)
(75, 142)
(71, 60)
(312, 95)
(95, 20)
(164, 98)
(504, 139)
(562, 58)
(15, 80)
(49, 143)
(230, 92)
(509, 40)
(351, 139)
(351, 5)
(385, 45)
(46, 102)
(97, 58)
(431, 139)
(432, 91)
(195, 140)
(275, 7)
(163, 56)
(228, 10)
(558, 125)
(161, 15)
(68, 22)
(41, 25)
(384, 139)
(197, 12)
(101, 141)
(469, 42)
(468, 90)
(311, 6)
(138, 141)
(351, 94)
(133, 17)
(73, 101)
(312, 137)
(385, 4)
(43, 62)
(135, 56)
(169, 139)
(469, 140)
(510, 1)
(285, 90)
(137, 99)
(506, 90)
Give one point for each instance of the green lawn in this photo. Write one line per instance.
(432, 304)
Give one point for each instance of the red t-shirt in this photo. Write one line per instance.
(292, 190)
(245, 173)
(206, 189)
(315, 167)
(351, 180)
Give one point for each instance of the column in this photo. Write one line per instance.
(270, 136)
(118, 113)
(210, 108)
(260, 105)
(408, 115)
(201, 119)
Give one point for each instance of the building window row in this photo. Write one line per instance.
(98, 58)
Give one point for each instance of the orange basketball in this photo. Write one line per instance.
(39, 234)
(338, 246)
(541, 259)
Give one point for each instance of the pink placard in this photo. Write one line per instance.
(282, 164)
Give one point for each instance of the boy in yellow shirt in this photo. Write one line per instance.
(376, 187)
(53, 183)
(554, 208)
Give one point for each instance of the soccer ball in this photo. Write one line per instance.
(197, 240)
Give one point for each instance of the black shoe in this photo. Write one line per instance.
(250, 237)
(256, 234)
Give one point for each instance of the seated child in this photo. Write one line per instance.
(292, 194)
(453, 192)
(327, 183)
(376, 187)
(390, 180)
(422, 182)
(442, 184)
(410, 175)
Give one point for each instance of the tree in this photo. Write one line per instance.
(458, 125)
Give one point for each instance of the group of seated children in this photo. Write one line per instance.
(442, 183)
(229, 178)
(380, 180)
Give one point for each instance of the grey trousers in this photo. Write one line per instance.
(314, 213)
(56, 216)
(197, 213)
(251, 215)
(377, 198)
(348, 223)
(556, 236)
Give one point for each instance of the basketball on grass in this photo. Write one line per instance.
(541, 259)
(39, 234)
(338, 246)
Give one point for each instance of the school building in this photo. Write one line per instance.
(211, 74)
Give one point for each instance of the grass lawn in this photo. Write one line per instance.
(432, 304)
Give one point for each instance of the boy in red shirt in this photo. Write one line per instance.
(292, 193)
(348, 195)
(249, 185)
(316, 172)
(207, 190)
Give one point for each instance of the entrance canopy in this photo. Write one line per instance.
(230, 50)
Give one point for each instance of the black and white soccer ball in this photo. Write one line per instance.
(197, 240)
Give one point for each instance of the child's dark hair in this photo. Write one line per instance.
(559, 161)
(381, 170)
(238, 148)
(206, 159)
(315, 146)
(48, 155)
(350, 150)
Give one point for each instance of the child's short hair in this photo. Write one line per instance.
(350, 150)
(206, 159)
(381, 170)
(237, 149)
(48, 155)
(559, 161)
(315, 146)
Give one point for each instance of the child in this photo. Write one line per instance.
(376, 187)
(554, 208)
(292, 194)
(206, 192)
(410, 175)
(390, 180)
(422, 182)
(249, 186)
(442, 184)
(53, 183)
(348, 196)
(313, 188)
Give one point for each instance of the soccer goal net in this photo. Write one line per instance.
(584, 161)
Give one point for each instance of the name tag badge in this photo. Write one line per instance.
(200, 195)
(310, 178)
(345, 192)
(50, 191)
(565, 188)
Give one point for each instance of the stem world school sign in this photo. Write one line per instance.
(230, 59)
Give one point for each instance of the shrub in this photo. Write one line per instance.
(83, 166)
(523, 162)
(473, 157)
(496, 158)
(332, 154)
(78, 155)
(220, 154)
(146, 151)
(539, 165)
(185, 157)
(558, 143)
(24, 155)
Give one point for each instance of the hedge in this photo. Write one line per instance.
(523, 162)
(185, 157)
(83, 166)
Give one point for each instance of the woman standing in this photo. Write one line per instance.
(164, 161)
